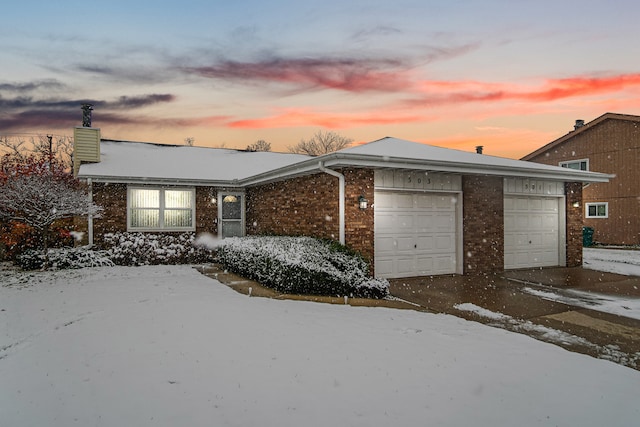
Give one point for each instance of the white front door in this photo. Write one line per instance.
(415, 233)
(531, 231)
(231, 214)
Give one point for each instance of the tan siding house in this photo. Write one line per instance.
(609, 144)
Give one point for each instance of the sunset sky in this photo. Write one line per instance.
(511, 75)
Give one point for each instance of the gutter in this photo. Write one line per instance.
(340, 196)
(90, 216)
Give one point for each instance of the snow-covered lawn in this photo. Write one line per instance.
(166, 346)
(618, 261)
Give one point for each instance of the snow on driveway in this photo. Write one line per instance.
(166, 346)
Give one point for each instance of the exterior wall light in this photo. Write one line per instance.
(576, 204)
(363, 202)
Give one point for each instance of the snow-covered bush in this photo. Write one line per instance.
(63, 259)
(153, 249)
(301, 265)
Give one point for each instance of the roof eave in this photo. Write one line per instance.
(158, 181)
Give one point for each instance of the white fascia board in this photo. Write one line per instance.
(552, 173)
(156, 181)
(298, 169)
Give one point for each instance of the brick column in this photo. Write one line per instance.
(483, 224)
(573, 194)
(359, 222)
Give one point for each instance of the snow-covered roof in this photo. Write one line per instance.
(136, 161)
(402, 154)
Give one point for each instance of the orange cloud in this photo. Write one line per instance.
(305, 117)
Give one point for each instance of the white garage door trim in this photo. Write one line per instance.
(534, 231)
(417, 233)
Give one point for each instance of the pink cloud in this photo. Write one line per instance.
(462, 92)
(352, 75)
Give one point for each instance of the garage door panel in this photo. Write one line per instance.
(446, 202)
(405, 244)
(425, 243)
(383, 201)
(424, 201)
(405, 222)
(444, 222)
(405, 266)
(384, 267)
(415, 234)
(404, 201)
(531, 228)
(385, 245)
(445, 243)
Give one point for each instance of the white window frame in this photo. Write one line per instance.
(569, 162)
(161, 226)
(596, 204)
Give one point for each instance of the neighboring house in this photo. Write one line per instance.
(608, 144)
(411, 208)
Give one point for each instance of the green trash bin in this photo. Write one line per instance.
(587, 236)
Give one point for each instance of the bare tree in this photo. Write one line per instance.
(38, 192)
(259, 145)
(321, 143)
(49, 146)
(189, 141)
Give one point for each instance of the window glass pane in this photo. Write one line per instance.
(602, 210)
(583, 166)
(145, 198)
(177, 199)
(145, 218)
(232, 207)
(231, 229)
(177, 218)
(573, 166)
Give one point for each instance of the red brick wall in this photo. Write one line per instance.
(113, 199)
(359, 223)
(573, 194)
(206, 210)
(309, 206)
(483, 224)
(300, 206)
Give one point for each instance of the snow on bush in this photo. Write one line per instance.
(301, 265)
(134, 249)
(63, 259)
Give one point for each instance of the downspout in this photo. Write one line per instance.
(341, 197)
(90, 216)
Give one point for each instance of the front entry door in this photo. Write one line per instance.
(231, 215)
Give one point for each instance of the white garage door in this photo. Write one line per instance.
(531, 232)
(415, 234)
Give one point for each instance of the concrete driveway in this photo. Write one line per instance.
(557, 305)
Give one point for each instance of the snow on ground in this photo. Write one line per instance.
(166, 346)
(627, 307)
(618, 261)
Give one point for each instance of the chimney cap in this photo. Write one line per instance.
(86, 115)
(579, 124)
(479, 149)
